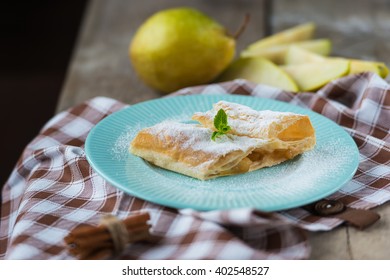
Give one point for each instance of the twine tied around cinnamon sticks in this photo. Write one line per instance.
(109, 238)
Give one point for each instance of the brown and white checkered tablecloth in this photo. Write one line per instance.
(53, 189)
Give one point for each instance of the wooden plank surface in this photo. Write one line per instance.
(100, 67)
(358, 29)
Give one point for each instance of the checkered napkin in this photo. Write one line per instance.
(53, 189)
(361, 105)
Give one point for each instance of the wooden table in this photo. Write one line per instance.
(358, 28)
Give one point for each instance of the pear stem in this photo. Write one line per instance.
(242, 27)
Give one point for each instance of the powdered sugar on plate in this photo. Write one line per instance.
(120, 149)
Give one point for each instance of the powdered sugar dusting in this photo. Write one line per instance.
(244, 120)
(197, 138)
(299, 176)
(120, 148)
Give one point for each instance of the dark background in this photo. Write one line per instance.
(37, 39)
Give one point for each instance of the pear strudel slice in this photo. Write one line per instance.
(257, 139)
(188, 149)
(286, 134)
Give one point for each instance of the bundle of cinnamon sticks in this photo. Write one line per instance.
(108, 239)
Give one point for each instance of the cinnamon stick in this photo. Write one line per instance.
(130, 221)
(98, 255)
(78, 250)
(103, 250)
(95, 242)
(95, 254)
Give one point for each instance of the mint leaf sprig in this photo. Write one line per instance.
(220, 124)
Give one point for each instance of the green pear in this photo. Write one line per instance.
(278, 53)
(312, 76)
(296, 33)
(259, 70)
(180, 47)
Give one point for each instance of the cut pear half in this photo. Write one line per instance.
(312, 76)
(296, 33)
(259, 70)
(278, 53)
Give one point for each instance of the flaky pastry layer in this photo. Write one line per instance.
(258, 139)
(266, 124)
(188, 149)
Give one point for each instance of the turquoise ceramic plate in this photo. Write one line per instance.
(307, 178)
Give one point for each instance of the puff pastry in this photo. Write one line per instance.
(188, 149)
(257, 139)
(287, 134)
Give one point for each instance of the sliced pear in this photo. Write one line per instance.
(384, 71)
(259, 70)
(297, 33)
(358, 66)
(312, 76)
(297, 55)
(277, 53)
